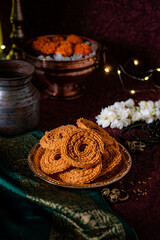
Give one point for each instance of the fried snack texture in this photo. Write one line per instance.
(106, 138)
(79, 154)
(81, 176)
(110, 159)
(53, 162)
(82, 148)
(53, 138)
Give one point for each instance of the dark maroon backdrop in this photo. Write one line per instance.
(127, 28)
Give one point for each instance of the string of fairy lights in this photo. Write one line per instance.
(2, 46)
(119, 70)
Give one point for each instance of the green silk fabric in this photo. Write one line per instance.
(33, 209)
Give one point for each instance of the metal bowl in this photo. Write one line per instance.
(63, 79)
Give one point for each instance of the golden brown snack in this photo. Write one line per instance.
(39, 153)
(87, 124)
(107, 139)
(53, 138)
(81, 176)
(78, 154)
(53, 162)
(83, 148)
(110, 159)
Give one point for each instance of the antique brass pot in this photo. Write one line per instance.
(19, 99)
(63, 79)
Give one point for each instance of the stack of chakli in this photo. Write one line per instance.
(79, 155)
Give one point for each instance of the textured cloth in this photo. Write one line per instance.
(34, 209)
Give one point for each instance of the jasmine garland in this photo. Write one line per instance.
(121, 114)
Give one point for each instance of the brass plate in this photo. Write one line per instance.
(109, 178)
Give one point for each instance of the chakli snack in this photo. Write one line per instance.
(53, 138)
(81, 176)
(106, 138)
(110, 159)
(53, 162)
(78, 154)
(82, 148)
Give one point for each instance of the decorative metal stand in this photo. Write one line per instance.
(17, 34)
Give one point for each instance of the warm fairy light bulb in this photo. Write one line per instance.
(107, 69)
(136, 62)
(132, 91)
(3, 47)
(146, 78)
(119, 72)
(158, 69)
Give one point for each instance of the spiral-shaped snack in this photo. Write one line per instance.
(53, 162)
(81, 176)
(53, 138)
(87, 124)
(107, 139)
(83, 148)
(110, 159)
(37, 156)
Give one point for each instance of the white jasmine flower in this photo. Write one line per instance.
(100, 121)
(149, 120)
(106, 123)
(157, 104)
(136, 116)
(111, 115)
(156, 113)
(142, 104)
(146, 104)
(114, 124)
(150, 104)
(119, 104)
(121, 114)
(129, 103)
(146, 113)
(126, 122)
(117, 124)
(106, 117)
